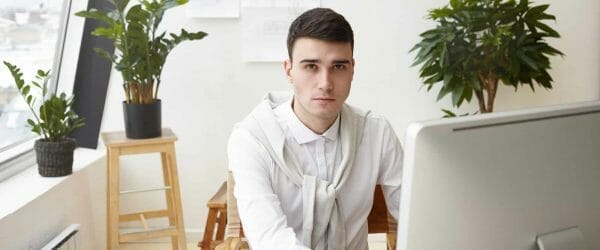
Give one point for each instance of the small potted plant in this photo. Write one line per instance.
(478, 44)
(140, 55)
(53, 121)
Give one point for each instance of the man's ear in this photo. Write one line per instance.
(287, 68)
(353, 64)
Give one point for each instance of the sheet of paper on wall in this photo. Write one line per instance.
(281, 3)
(265, 24)
(213, 8)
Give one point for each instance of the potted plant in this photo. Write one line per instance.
(140, 57)
(54, 121)
(479, 43)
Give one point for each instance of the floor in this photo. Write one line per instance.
(376, 242)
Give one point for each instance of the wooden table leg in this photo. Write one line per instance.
(172, 162)
(112, 224)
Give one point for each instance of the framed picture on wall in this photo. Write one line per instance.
(213, 8)
(265, 25)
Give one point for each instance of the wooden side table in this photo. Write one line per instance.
(117, 144)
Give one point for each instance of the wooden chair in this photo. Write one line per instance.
(216, 219)
(381, 221)
(378, 221)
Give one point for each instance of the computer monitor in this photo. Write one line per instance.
(498, 181)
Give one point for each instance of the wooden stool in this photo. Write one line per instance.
(217, 219)
(118, 144)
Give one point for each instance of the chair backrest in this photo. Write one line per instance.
(379, 219)
(234, 225)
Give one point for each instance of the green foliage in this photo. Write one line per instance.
(55, 119)
(478, 43)
(141, 52)
(450, 114)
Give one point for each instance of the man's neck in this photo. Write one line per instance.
(317, 125)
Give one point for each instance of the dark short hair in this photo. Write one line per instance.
(320, 23)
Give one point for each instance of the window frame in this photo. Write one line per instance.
(20, 155)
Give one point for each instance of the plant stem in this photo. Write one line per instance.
(44, 134)
(492, 86)
(147, 84)
(480, 100)
(479, 93)
(127, 98)
(156, 91)
(125, 52)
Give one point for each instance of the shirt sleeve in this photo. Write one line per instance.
(390, 174)
(265, 224)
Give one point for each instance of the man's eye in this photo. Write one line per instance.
(339, 66)
(310, 66)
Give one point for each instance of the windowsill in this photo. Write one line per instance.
(17, 191)
(19, 148)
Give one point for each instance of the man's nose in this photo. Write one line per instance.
(325, 82)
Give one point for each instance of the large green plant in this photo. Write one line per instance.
(55, 119)
(141, 52)
(478, 43)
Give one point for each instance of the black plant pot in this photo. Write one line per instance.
(55, 158)
(142, 120)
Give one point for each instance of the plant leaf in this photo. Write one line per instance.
(448, 113)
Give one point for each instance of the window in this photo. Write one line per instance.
(32, 35)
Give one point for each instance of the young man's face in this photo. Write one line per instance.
(321, 73)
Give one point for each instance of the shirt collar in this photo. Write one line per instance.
(302, 133)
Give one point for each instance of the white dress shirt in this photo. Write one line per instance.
(270, 205)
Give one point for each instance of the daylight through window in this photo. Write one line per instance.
(28, 37)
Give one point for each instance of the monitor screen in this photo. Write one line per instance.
(498, 181)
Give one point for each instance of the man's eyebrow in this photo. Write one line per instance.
(310, 61)
(341, 61)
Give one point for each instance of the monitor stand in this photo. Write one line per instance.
(570, 238)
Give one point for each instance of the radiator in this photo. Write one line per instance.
(68, 239)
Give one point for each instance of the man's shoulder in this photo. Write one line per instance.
(371, 117)
(260, 128)
(263, 113)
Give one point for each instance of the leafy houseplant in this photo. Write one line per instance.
(140, 56)
(54, 121)
(478, 43)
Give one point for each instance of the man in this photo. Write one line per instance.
(306, 164)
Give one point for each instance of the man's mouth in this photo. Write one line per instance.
(324, 99)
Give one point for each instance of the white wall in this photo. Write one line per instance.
(77, 199)
(207, 88)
